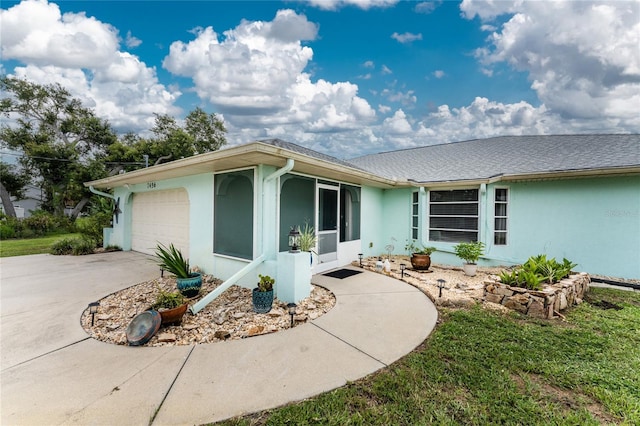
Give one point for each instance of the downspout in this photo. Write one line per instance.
(104, 194)
(197, 307)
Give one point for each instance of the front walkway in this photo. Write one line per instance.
(53, 373)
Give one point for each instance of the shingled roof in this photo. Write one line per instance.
(506, 156)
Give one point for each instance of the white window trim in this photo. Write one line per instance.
(507, 202)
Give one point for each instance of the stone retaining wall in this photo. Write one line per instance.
(539, 304)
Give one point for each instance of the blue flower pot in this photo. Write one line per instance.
(190, 287)
(262, 301)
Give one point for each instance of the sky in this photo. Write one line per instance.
(343, 77)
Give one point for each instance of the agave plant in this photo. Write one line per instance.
(171, 259)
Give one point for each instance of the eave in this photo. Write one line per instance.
(242, 156)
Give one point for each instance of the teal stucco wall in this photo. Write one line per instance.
(594, 222)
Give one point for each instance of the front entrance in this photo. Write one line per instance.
(327, 223)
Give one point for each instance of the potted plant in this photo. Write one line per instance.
(308, 240)
(262, 296)
(171, 259)
(469, 252)
(420, 255)
(171, 306)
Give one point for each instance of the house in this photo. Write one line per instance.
(230, 211)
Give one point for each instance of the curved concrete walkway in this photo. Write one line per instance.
(53, 373)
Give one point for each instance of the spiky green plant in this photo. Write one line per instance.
(171, 260)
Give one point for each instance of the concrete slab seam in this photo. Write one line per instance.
(46, 353)
(349, 344)
(155, 414)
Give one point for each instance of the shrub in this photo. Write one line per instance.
(40, 222)
(535, 271)
(470, 252)
(6, 231)
(91, 226)
(75, 246)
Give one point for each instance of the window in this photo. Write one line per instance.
(453, 215)
(500, 202)
(297, 205)
(233, 214)
(414, 215)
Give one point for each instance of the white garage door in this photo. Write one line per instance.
(160, 216)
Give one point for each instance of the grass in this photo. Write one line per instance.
(481, 367)
(26, 246)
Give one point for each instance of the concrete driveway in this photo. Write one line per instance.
(52, 372)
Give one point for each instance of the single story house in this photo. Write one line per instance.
(573, 196)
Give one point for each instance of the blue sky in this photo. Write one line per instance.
(343, 77)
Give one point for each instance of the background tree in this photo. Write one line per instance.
(63, 143)
(200, 133)
(12, 183)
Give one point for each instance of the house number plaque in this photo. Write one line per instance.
(151, 185)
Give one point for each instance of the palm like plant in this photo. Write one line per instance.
(170, 259)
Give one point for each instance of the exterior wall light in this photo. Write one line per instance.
(292, 311)
(294, 240)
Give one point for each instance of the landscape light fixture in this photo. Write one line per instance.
(402, 268)
(93, 308)
(292, 311)
(360, 259)
(441, 283)
(294, 240)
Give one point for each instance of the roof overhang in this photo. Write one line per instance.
(549, 175)
(242, 156)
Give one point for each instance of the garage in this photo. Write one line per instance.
(160, 216)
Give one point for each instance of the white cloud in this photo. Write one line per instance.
(405, 98)
(386, 70)
(255, 76)
(397, 124)
(384, 109)
(82, 54)
(368, 64)
(582, 57)
(438, 74)
(427, 7)
(406, 37)
(362, 4)
(131, 41)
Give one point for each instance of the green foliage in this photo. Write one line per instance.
(170, 259)
(412, 246)
(6, 230)
(40, 222)
(63, 142)
(92, 226)
(537, 270)
(469, 252)
(75, 246)
(166, 300)
(308, 238)
(28, 246)
(266, 283)
(483, 368)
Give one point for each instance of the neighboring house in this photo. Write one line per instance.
(31, 202)
(566, 196)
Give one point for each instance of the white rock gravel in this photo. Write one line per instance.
(230, 316)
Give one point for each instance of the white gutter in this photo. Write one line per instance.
(285, 169)
(104, 194)
(197, 307)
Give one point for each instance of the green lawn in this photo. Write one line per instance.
(480, 367)
(23, 247)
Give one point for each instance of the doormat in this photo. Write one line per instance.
(342, 273)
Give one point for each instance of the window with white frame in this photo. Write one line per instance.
(453, 215)
(415, 209)
(500, 202)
